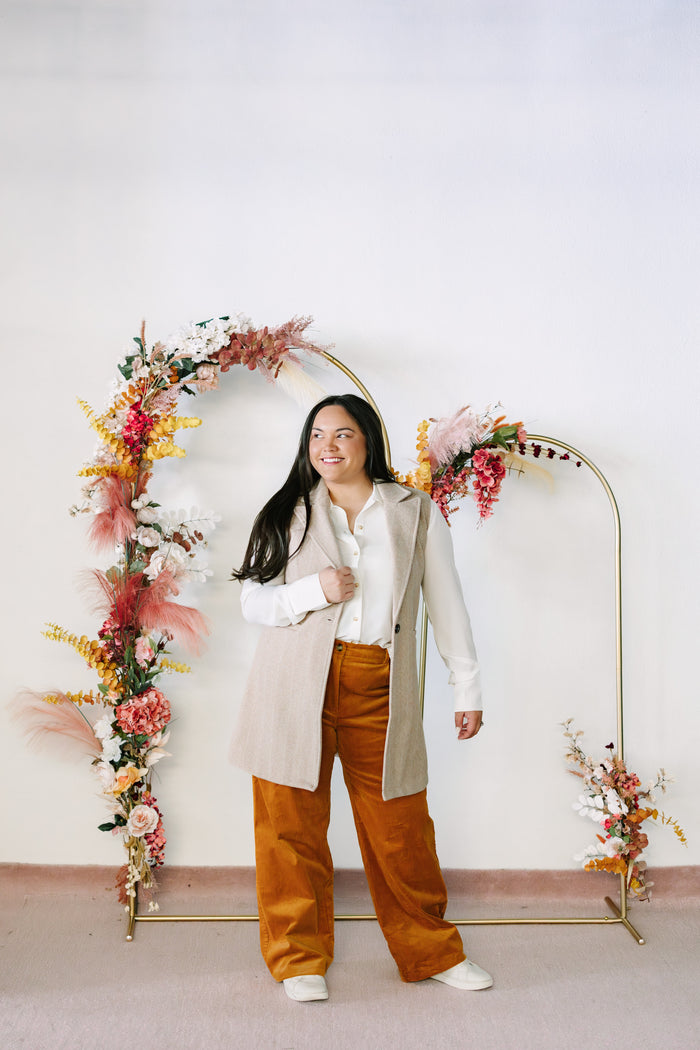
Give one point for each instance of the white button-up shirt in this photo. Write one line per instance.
(367, 616)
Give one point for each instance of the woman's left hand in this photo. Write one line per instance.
(467, 723)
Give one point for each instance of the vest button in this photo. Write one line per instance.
(397, 628)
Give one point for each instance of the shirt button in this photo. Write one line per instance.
(356, 586)
(355, 619)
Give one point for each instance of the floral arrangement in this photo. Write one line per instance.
(157, 551)
(469, 453)
(614, 799)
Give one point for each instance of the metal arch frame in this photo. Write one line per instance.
(619, 916)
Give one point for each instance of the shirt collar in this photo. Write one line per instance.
(374, 497)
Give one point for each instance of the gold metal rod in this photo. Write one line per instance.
(539, 438)
(625, 921)
(360, 386)
(132, 918)
(157, 917)
(542, 439)
(602, 920)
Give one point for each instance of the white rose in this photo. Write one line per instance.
(146, 515)
(155, 565)
(147, 537)
(106, 775)
(142, 820)
(176, 557)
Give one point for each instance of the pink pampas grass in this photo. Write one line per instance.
(44, 722)
(115, 522)
(133, 603)
(156, 613)
(452, 434)
(115, 594)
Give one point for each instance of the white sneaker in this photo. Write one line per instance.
(466, 975)
(306, 988)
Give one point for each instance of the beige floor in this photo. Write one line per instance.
(70, 980)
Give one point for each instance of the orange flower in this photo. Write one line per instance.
(125, 777)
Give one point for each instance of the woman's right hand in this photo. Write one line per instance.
(338, 585)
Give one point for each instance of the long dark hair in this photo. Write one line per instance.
(268, 547)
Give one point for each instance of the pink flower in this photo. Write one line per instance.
(155, 840)
(142, 820)
(143, 651)
(144, 714)
(488, 473)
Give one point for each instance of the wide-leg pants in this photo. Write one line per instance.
(294, 868)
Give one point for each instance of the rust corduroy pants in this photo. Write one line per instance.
(397, 840)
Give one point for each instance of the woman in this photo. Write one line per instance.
(333, 570)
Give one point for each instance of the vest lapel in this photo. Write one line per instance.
(403, 517)
(321, 528)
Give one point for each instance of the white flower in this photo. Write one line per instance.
(241, 323)
(147, 537)
(146, 515)
(614, 803)
(198, 341)
(106, 775)
(111, 749)
(103, 728)
(156, 750)
(172, 557)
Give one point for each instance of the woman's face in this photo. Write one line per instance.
(337, 447)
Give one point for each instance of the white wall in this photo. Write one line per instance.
(477, 201)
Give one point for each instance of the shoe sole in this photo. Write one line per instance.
(477, 986)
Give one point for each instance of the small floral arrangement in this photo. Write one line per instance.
(157, 551)
(614, 799)
(469, 454)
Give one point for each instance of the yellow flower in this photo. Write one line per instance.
(424, 478)
(125, 777)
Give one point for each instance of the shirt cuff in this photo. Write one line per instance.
(467, 693)
(306, 595)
